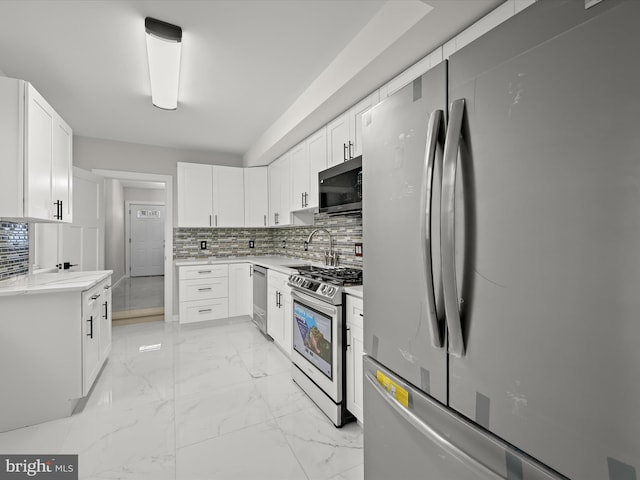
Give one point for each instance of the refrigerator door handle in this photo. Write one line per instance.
(447, 224)
(480, 470)
(434, 129)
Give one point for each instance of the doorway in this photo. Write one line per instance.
(144, 288)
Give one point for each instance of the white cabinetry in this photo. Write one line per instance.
(299, 176)
(36, 148)
(96, 332)
(280, 191)
(228, 197)
(210, 196)
(307, 159)
(344, 134)
(204, 292)
(240, 289)
(279, 313)
(195, 195)
(256, 197)
(316, 146)
(355, 351)
(50, 353)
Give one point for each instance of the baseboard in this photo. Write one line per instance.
(142, 312)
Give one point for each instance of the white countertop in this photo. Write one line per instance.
(279, 263)
(52, 282)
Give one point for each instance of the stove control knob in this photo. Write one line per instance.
(331, 290)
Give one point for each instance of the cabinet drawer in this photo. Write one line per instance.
(204, 310)
(355, 311)
(204, 289)
(204, 271)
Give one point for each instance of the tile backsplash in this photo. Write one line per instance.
(14, 249)
(346, 230)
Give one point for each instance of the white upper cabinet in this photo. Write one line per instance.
(256, 197)
(228, 197)
(280, 191)
(35, 145)
(344, 134)
(210, 196)
(307, 159)
(316, 146)
(195, 195)
(299, 176)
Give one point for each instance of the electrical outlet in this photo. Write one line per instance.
(357, 250)
(203, 245)
(306, 246)
(284, 244)
(252, 244)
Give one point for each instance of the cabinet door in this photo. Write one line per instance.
(274, 192)
(356, 114)
(284, 172)
(355, 350)
(274, 315)
(240, 289)
(228, 197)
(317, 160)
(90, 340)
(338, 140)
(195, 195)
(287, 322)
(39, 143)
(299, 177)
(105, 319)
(62, 169)
(256, 197)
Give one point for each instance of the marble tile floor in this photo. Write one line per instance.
(201, 401)
(138, 293)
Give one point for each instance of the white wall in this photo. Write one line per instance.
(143, 195)
(114, 228)
(90, 153)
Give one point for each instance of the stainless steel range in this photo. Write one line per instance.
(319, 331)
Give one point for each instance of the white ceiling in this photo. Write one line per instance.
(244, 64)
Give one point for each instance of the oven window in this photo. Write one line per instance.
(312, 337)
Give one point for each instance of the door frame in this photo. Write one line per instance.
(169, 315)
(127, 230)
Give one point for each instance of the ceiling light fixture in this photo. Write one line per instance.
(164, 45)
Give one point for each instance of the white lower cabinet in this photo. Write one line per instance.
(53, 347)
(204, 292)
(240, 289)
(355, 350)
(96, 331)
(279, 326)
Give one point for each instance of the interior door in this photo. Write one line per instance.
(548, 236)
(398, 329)
(147, 240)
(82, 243)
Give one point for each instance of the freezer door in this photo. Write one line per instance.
(547, 224)
(410, 436)
(400, 289)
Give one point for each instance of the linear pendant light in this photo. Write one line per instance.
(164, 46)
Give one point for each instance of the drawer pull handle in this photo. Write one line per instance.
(204, 311)
(204, 289)
(95, 296)
(204, 271)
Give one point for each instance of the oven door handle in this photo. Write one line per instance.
(322, 307)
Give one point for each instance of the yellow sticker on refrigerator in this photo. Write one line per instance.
(399, 393)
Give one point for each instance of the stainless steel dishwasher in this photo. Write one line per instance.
(260, 298)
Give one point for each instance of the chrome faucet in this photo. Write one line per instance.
(330, 256)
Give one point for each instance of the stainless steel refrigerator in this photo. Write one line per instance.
(501, 215)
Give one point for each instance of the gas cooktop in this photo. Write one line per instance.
(325, 283)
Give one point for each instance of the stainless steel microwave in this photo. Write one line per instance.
(340, 187)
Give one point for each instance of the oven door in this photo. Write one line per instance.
(317, 342)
